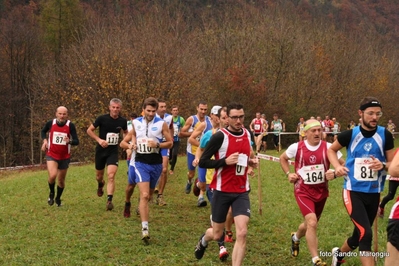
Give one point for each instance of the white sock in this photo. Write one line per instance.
(203, 242)
(144, 225)
(295, 238)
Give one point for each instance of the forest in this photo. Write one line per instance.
(297, 58)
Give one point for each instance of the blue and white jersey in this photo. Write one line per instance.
(196, 122)
(168, 119)
(144, 132)
(360, 178)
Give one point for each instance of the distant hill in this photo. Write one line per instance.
(368, 16)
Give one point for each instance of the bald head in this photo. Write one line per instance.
(61, 114)
(62, 109)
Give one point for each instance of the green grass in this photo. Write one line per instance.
(81, 232)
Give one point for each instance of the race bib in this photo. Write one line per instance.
(277, 127)
(335, 128)
(257, 127)
(59, 138)
(175, 130)
(112, 138)
(362, 171)
(142, 146)
(312, 174)
(241, 164)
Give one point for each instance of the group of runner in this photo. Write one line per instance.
(221, 143)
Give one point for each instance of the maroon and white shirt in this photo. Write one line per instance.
(311, 163)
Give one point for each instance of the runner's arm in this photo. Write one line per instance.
(211, 149)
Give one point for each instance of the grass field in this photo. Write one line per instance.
(81, 232)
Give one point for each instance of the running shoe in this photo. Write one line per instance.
(161, 201)
(126, 211)
(200, 249)
(100, 190)
(188, 187)
(145, 236)
(294, 246)
(110, 205)
(336, 259)
(58, 202)
(196, 190)
(201, 202)
(228, 237)
(319, 262)
(223, 254)
(50, 200)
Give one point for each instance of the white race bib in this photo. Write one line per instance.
(175, 130)
(257, 127)
(112, 138)
(362, 171)
(142, 146)
(59, 138)
(312, 174)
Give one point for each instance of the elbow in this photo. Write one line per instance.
(170, 144)
(122, 144)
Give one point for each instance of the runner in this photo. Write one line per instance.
(257, 127)
(310, 178)
(110, 125)
(62, 134)
(191, 123)
(369, 151)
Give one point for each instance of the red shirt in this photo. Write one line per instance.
(57, 147)
(232, 178)
(258, 126)
(395, 211)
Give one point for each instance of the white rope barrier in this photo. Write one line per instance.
(272, 158)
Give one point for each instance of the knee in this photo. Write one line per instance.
(311, 223)
(164, 170)
(241, 234)
(365, 241)
(145, 196)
